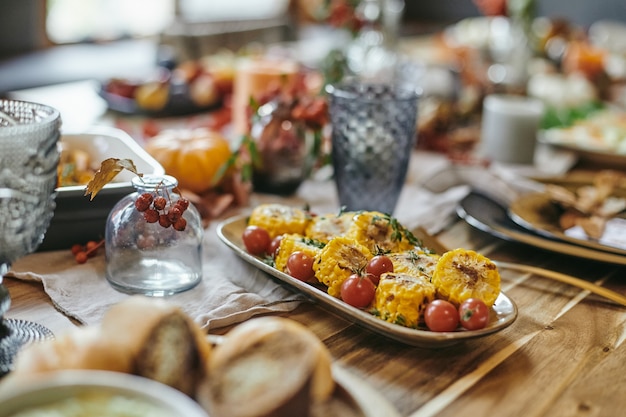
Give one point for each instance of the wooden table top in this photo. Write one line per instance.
(563, 356)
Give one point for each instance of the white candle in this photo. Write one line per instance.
(509, 128)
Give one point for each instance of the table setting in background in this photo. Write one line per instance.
(478, 169)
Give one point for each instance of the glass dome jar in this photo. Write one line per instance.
(153, 259)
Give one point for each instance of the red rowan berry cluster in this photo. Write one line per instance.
(155, 209)
(83, 252)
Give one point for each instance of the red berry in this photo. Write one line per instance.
(174, 214)
(143, 202)
(151, 215)
(180, 224)
(159, 203)
(183, 203)
(77, 248)
(165, 221)
(81, 257)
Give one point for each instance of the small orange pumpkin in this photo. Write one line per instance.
(193, 156)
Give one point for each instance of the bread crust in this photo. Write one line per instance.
(140, 335)
(267, 367)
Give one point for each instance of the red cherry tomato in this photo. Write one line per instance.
(272, 249)
(377, 266)
(441, 316)
(300, 266)
(473, 314)
(358, 291)
(256, 240)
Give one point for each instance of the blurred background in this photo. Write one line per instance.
(52, 41)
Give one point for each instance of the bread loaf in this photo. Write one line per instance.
(267, 367)
(164, 343)
(142, 336)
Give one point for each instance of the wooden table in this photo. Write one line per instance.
(563, 356)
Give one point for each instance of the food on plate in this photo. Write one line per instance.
(374, 251)
(75, 167)
(96, 404)
(602, 130)
(414, 262)
(461, 274)
(142, 336)
(323, 228)
(257, 240)
(358, 290)
(402, 298)
(279, 219)
(190, 85)
(152, 96)
(377, 266)
(591, 206)
(340, 258)
(473, 314)
(291, 243)
(268, 366)
(192, 156)
(441, 316)
(380, 233)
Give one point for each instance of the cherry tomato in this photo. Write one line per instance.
(377, 266)
(358, 291)
(256, 240)
(473, 314)
(300, 266)
(272, 249)
(441, 316)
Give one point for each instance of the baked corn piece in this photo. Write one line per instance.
(381, 233)
(339, 258)
(291, 243)
(328, 226)
(279, 219)
(414, 262)
(402, 298)
(461, 274)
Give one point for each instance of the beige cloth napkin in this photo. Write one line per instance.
(233, 291)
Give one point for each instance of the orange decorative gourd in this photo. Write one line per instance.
(193, 156)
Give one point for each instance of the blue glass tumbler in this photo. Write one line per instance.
(373, 134)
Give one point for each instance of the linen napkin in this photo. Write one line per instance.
(231, 290)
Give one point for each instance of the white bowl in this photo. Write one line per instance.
(102, 143)
(77, 219)
(49, 388)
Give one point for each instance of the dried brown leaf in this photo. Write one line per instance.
(109, 168)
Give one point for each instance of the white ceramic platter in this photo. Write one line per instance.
(503, 313)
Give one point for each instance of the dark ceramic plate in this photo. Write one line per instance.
(179, 104)
(491, 217)
(538, 214)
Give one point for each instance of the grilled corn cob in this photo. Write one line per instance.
(380, 233)
(414, 262)
(324, 228)
(291, 243)
(279, 219)
(461, 274)
(338, 260)
(401, 298)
